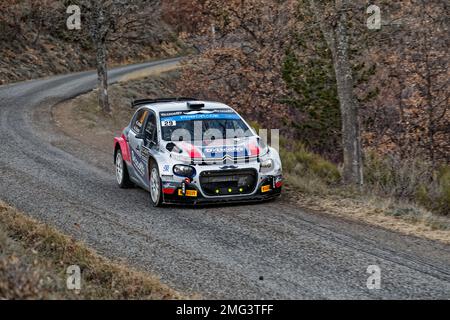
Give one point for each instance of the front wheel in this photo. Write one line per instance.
(155, 186)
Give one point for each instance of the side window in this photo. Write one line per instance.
(151, 128)
(138, 120)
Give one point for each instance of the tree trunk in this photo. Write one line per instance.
(102, 73)
(351, 140)
(338, 43)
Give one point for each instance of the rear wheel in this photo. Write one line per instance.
(122, 177)
(155, 185)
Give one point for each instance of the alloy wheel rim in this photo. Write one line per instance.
(154, 185)
(119, 168)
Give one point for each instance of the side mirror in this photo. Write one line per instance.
(170, 146)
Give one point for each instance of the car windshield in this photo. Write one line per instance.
(202, 125)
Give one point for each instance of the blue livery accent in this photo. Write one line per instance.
(200, 116)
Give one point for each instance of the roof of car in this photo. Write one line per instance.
(181, 106)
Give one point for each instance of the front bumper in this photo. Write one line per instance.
(267, 188)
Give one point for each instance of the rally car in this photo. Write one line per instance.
(185, 151)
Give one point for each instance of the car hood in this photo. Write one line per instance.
(249, 147)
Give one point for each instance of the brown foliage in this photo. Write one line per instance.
(403, 100)
(186, 16)
(410, 115)
(241, 61)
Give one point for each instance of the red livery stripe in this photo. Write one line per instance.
(169, 190)
(123, 147)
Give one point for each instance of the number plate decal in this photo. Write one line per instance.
(168, 123)
(189, 193)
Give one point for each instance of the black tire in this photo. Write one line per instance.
(156, 196)
(122, 176)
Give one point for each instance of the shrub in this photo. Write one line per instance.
(300, 161)
(396, 177)
(412, 179)
(307, 171)
(444, 190)
(436, 195)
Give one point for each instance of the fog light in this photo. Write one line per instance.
(241, 189)
(217, 191)
(230, 190)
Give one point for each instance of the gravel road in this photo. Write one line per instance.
(258, 251)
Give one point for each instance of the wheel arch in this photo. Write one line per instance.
(121, 144)
(151, 159)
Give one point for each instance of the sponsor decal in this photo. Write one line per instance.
(137, 163)
(145, 152)
(225, 151)
(232, 149)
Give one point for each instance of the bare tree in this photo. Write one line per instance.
(116, 20)
(99, 28)
(333, 23)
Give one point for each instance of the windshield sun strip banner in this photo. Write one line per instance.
(186, 112)
(201, 116)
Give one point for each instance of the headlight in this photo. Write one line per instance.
(267, 164)
(183, 171)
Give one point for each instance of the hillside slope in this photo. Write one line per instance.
(34, 258)
(35, 42)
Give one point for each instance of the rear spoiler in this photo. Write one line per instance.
(140, 102)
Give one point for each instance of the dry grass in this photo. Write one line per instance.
(413, 178)
(34, 258)
(314, 183)
(390, 214)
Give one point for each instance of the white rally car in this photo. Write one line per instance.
(188, 151)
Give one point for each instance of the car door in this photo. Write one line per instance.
(138, 163)
(150, 143)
